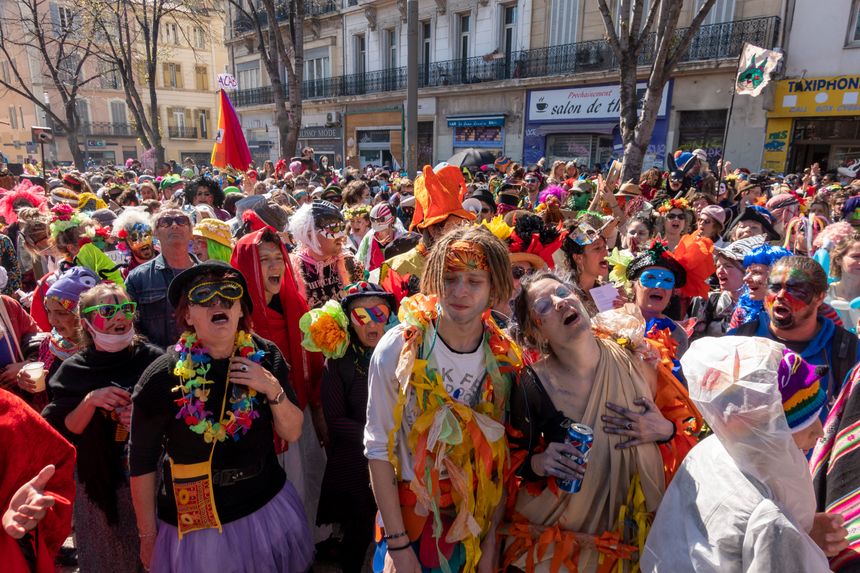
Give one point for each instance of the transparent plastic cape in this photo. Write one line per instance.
(733, 382)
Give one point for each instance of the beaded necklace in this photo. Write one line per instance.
(192, 368)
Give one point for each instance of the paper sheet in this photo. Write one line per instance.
(604, 297)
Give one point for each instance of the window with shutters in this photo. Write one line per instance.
(721, 11)
(199, 37)
(201, 77)
(13, 117)
(68, 68)
(66, 17)
(82, 107)
(118, 112)
(203, 123)
(172, 75)
(4, 72)
(564, 22)
(109, 77)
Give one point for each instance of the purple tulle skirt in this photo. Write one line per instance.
(273, 539)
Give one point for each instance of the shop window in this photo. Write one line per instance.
(479, 136)
(703, 129)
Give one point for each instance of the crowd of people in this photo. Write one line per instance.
(470, 368)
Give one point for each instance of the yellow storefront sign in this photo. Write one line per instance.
(776, 143)
(817, 97)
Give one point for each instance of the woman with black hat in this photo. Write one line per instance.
(211, 406)
(363, 314)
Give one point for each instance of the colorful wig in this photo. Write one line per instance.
(811, 224)
(23, 191)
(765, 255)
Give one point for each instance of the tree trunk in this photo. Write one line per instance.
(294, 117)
(155, 121)
(629, 119)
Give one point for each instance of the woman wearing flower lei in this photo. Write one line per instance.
(676, 218)
(212, 406)
(439, 385)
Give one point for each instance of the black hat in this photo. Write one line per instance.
(483, 194)
(179, 285)
(657, 256)
(508, 199)
(753, 214)
(364, 289)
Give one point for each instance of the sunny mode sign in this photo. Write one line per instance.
(588, 103)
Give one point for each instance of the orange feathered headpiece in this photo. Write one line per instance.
(437, 196)
(696, 254)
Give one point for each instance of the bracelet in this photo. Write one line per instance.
(407, 546)
(394, 535)
(279, 398)
(670, 438)
(146, 535)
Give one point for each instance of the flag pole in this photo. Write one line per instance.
(731, 108)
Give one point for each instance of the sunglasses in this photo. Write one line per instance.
(378, 314)
(180, 220)
(108, 311)
(544, 304)
(675, 216)
(333, 199)
(333, 230)
(519, 272)
(657, 278)
(204, 294)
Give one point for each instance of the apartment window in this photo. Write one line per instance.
(171, 33)
(203, 123)
(317, 64)
(465, 26)
(854, 30)
(68, 68)
(201, 78)
(172, 75)
(248, 75)
(509, 30)
(721, 11)
(360, 53)
(199, 37)
(179, 120)
(109, 77)
(13, 117)
(66, 18)
(563, 23)
(426, 37)
(82, 107)
(391, 48)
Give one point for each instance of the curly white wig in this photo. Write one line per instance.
(129, 217)
(304, 229)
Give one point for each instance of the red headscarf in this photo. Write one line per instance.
(282, 329)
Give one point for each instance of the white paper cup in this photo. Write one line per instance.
(36, 371)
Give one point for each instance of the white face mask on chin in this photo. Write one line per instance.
(107, 342)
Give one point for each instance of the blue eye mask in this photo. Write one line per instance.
(657, 278)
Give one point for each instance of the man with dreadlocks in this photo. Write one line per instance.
(438, 209)
(447, 365)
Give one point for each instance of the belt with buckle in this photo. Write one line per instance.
(231, 476)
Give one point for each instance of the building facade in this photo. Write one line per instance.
(491, 73)
(815, 116)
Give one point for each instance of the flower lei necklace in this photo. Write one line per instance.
(192, 368)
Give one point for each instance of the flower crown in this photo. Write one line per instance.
(357, 211)
(670, 204)
(64, 219)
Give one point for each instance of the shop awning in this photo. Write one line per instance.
(476, 120)
(601, 127)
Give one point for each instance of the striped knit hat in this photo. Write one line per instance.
(802, 393)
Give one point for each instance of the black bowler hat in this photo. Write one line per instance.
(179, 286)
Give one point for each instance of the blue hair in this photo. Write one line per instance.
(763, 211)
(765, 255)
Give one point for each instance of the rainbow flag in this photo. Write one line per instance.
(230, 148)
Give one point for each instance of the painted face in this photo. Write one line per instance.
(789, 301)
(580, 200)
(200, 247)
(61, 318)
(113, 315)
(368, 318)
(139, 240)
(654, 300)
(272, 267)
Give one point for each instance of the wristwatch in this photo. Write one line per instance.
(279, 398)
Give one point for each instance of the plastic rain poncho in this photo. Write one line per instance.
(742, 499)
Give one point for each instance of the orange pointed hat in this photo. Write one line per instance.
(437, 196)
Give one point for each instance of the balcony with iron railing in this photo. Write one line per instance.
(181, 132)
(243, 24)
(100, 129)
(711, 43)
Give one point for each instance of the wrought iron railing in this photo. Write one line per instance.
(243, 24)
(712, 42)
(181, 132)
(105, 128)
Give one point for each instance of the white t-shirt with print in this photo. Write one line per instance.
(463, 375)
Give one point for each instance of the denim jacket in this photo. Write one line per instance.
(147, 286)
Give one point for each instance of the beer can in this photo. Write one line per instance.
(581, 437)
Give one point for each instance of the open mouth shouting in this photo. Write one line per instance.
(274, 280)
(219, 318)
(570, 318)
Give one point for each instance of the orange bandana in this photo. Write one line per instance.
(465, 256)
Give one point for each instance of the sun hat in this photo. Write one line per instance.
(215, 230)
